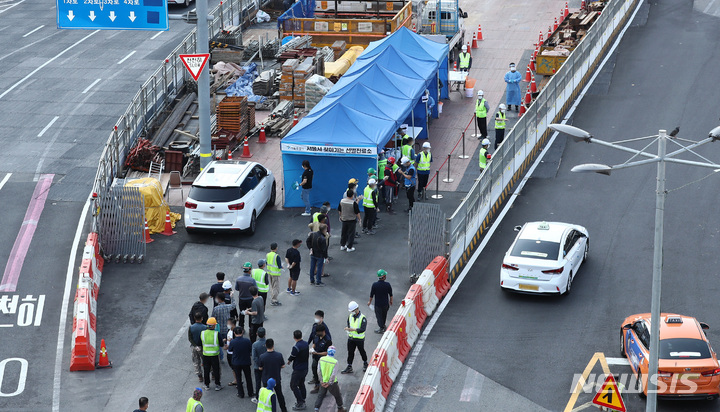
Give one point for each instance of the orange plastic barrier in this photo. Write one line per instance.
(398, 327)
(82, 357)
(416, 295)
(440, 268)
(380, 360)
(364, 398)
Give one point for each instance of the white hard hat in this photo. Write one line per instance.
(227, 285)
(372, 181)
(486, 142)
(464, 47)
(502, 106)
(404, 160)
(352, 306)
(480, 93)
(404, 126)
(426, 145)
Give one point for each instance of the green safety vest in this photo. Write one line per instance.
(483, 159)
(327, 364)
(259, 276)
(315, 217)
(406, 151)
(191, 405)
(265, 400)
(367, 197)
(272, 268)
(381, 168)
(355, 324)
(211, 346)
(500, 121)
(395, 167)
(480, 110)
(424, 163)
(464, 60)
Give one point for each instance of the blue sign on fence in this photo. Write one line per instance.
(113, 14)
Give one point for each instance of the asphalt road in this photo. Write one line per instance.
(530, 348)
(61, 91)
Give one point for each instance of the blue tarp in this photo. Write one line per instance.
(303, 9)
(343, 133)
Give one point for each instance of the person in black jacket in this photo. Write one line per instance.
(199, 306)
(317, 244)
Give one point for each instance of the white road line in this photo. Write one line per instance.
(49, 125)
(52, 59)
(29, 45)
(610, 361)
(707, 9)
(5, 179)
(64, 309)
(10, 7)
(155, 36)
(33, 31)
(87, 89)
(398, 387)
(126, 57)
(174, 341)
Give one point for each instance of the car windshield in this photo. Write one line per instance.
(215, 194)
(684, 348)
(536, 249)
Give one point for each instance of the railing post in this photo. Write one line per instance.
(437, 194)
(449, 179)
(463, 155)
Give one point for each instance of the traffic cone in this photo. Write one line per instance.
(522, 110)
(479, 35)
(532, 64)
(295, 118)
(454, 66)
(474, 41)
(537, 50)
(104, 361)
(148, 239)
(468, 48)
(229, 155)
(533, 86)
(246, 149)
(528, 96)
(582, 5)
(168, 224)
(262, 139)
(540, 38)
(567, 11)
(528, 74)
(555, 24)
(549, 32)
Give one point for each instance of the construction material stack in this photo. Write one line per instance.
(286, 79)
(302, 72)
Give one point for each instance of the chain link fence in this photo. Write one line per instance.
(427, 236)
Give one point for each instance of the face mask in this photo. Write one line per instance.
(230, 326)
(512, 69)
(317, 320)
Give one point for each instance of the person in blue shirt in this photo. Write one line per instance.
(512, 90)
(241, 349)
(299, 355)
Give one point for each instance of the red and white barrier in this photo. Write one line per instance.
(83, 348)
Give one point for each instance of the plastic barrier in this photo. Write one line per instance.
(83, 349)
(440, 267)
(430, 299)
(399, 328)
(388, 351)
(416, 295)
(407, 310)
(371, 379)
(364, 401)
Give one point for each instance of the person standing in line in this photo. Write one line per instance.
(317, 244)
(423, 161)
(369, 203)
(241, 349)
(211, 343)
(382, 292)
(256, 312)
(243, 284)
(293, 258)
(465, 59)
(407, 149)
(200, 306)
(390, 184)
(194, 336)
(231, 325)
(349, 217)
(221, 313)
(267, 398)
(481, 110)
(319, 320)
(258, 348)
(320, 343)
(227, 290)
(512, 90)
(217, 286)
(274, 266)
(143, 404)
(484, 156)
(271, 364)
(500, 119)
(409, 175)
(194, 404)
(306, 186)
(356, 326)
(262, 280)
(327, 369)
(299, 355)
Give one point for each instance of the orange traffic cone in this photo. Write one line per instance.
(528, 96)
(532, 64)
(474, 41)
(148, 239)
(540, 38)
(229, 155)
(168, 224)
(537, 50)
(555, 24)
(567, 11)
(295, 118)
(246, 149)
(454, 66)
(528, 74)
(522, 110)
(582, 5)
(533, 86)
(261, 138)
(549, 32)
(104, 361)
(468, 48)
(479, 35)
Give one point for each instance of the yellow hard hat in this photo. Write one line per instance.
(212, 321)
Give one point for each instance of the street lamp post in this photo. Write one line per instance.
(661, 158)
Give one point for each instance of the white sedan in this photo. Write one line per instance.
(544, 258)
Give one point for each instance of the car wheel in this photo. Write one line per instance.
(253, 223)
(641, 388)
(271, 202)
(569, 283)
(622, 343)
(587, 247)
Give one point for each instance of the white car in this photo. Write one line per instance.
(544, 258)
(229, 195)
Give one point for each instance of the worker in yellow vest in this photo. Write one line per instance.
(211, 343)
(370, 201)
(407, 148)
(327, 371)
(481, 110)
(423, 161)
(500, 119)
(484, 154)
(194, 404)
(267, 400)
(274, 266)
(465, 59)
(262, 280)
(356, 326)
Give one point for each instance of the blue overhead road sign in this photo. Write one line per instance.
(112, 14)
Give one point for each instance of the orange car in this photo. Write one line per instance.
(688, 366)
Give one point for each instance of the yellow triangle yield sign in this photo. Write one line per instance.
(609, 396)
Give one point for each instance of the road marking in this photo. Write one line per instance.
(597, 357)
(52, 59)
(5, 179)
(155, 36)
(707, 9)
(64, 309)
(126, 57)
(21, 378)
(473, 386)
(29, 45)
(617, 361)
(25, 235)
(49, 125)
(33, 31)
(10, 7)
(87, 89)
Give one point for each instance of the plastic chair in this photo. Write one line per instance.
(175, 183)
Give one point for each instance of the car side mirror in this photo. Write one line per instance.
(704, 326)
(627, 326)
(517, 228)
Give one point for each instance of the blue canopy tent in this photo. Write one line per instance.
(343, 134)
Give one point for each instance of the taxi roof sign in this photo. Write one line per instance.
(543, 226)
(609, 396)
